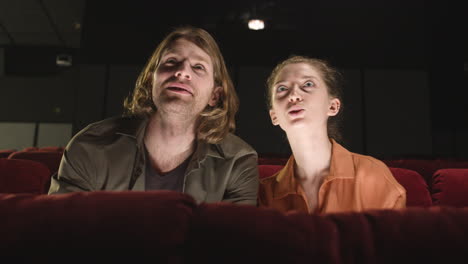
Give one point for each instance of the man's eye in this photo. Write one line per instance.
(281, 88)
(171, 61)
(309, 84)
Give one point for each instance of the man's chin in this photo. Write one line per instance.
(176, 107)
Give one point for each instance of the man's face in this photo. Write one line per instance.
(183, 82)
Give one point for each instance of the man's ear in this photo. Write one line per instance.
(274, 118)
(334, 108)
(215, 95)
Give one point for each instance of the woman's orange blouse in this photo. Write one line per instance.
(355, 183)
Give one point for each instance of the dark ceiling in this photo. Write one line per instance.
(365, 33)
(349, 33)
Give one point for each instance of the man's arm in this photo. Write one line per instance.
(75, 172)
(243, 186)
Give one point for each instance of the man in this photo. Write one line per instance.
(176, 134)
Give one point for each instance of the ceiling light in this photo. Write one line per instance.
(256, 24)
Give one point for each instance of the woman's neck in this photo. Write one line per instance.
(312, 153)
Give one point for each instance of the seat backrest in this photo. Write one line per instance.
(450, 187)
(30, 149)
(4, 153)
(268, 170)
(23, 176)
(50, 159)
(426, 167)
(51, 148)
(417, 191)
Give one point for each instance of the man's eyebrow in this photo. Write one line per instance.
(170, 51)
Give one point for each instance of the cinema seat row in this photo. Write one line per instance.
(170, 227)
(428, 181)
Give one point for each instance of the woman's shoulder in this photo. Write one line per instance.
(372, 170)
(270, 180)
(367, 162)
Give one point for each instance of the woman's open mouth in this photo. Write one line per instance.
(296, 112)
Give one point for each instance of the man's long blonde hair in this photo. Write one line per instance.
(214, 122)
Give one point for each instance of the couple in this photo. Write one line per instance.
(177, 135)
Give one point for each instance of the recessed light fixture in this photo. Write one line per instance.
(256, 24)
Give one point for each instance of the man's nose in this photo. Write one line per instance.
(183, 71)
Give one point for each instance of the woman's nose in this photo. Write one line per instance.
(294, 96)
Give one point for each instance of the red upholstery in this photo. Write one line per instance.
(81, 227)
(23, 176)
(417, 193)
(231, 234)
(4, 153)
(50, 159)
(51, 148)
(426, 167)
(30, 149)
(268, 170)
(169, 227)
(450, 187)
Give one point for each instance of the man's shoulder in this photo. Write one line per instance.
(110, 125)
(105, 129)
(233, 145)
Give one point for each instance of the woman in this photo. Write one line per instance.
(321, 176)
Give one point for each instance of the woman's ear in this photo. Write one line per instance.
(334, 108)
(274, 118)
(215, 95)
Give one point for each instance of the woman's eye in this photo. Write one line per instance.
(281, 88)
(309, 84)
(199, 67)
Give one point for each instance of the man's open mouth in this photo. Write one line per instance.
(179, 88)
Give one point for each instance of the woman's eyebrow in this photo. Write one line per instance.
(302, 79)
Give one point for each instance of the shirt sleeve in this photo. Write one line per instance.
(75, 171)
(380, 190)
(243, 186)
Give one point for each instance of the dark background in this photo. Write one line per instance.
(405, 64)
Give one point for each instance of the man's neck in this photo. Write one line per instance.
(169, 141)
(312, 153)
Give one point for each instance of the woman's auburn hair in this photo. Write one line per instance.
(215, 122)
(333, 80)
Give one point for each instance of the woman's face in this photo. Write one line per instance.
(300, 98)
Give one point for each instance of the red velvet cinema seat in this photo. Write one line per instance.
(417, 192)
(96, 227)
(50, 159)
(426, 167)
(30, 149)
(450, 187)
(51, 148)
(226, 233)
(23, 176)
(4, 153)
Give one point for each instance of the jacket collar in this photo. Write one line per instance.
(135, 128)
(341, 166)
